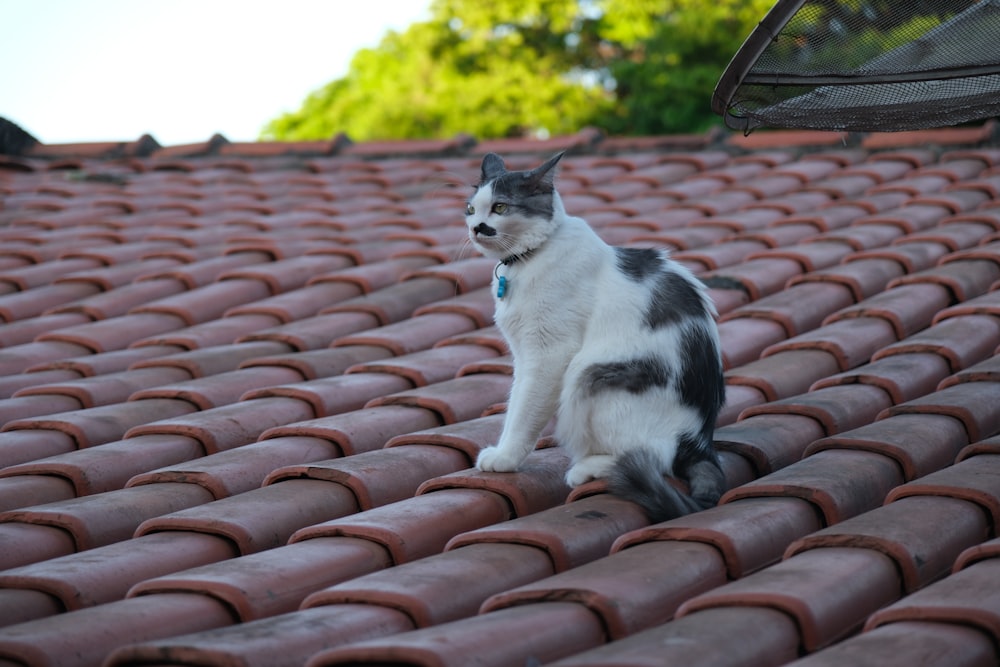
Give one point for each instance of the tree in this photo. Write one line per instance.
(534, 67)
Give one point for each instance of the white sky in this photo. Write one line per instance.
(180, 70)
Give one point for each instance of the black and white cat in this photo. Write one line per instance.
(619, 343)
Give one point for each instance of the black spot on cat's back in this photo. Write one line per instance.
(639, 263)
(673, 300)
(634, 376)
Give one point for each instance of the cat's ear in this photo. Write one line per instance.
(493, 167)
(543, 177)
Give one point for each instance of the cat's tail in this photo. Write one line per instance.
(637, 476)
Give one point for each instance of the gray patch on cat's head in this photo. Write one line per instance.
(526, 192)
(674, 300)
(492, 167)
(639, 263)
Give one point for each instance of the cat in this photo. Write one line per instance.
(619, 343)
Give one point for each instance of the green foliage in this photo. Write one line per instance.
(534, 67)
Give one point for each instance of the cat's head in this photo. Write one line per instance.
(513, 212)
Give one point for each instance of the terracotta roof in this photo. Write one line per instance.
(242, 386)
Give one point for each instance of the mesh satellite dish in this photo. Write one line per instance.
(865, 65)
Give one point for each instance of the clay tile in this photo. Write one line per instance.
(294, 636)
(425, 589)
(985, 371)
(33, 302)
(21, 605)
(743, 339)
(986, 304)
(909, 308)
(986, 551)
(335, 394)
(416, 527)
(907, 642)
(814, 255)
(110, 517)
(104, 574)
(806, 587)
(429, 366)
(974, 480)
(44, 273)
(864, 277)
(537, 485)
(376, 275)
(760, 277)
(962, 341)
(212, 360)
(109, 388)
(287, 274)
(868, 236)
(67, 638)
(965, 278)
(207, 303)
(749, 534)
(359, 430)
(227, 426)
(314, 364)
(110, 466)
(911, 254)
(19, 334)
(378, 476)
(120, 300)
(798, 308)
(827, 218)
(10, 384)
(769, 441)
(115, 333)
(27, 490)
(836, 408)
(717, 255)
(903, 377)
(222, 331)
(852, 341)
(31, 542)
(569, 628)
(453, 400)
(28, 407)
(32, 444)
(758, 633)
(209, 269)
(622, 589)
(971, 403)
(315, 332)
(922, 534)
(785, 374)
(727, 299)
(298, 304)
(411, 335)
(254, 521)
(845, 185)
(966, 599)
(229, 473)
(94, 426)
(476, 305)
(222, 388)
(839, 483)
(794, 203)
(396, 302)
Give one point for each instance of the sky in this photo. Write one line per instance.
(179, 70)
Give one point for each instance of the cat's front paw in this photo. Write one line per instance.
(497, 459)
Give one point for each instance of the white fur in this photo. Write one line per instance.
(567, 307)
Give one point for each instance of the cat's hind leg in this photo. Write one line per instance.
(591, 467)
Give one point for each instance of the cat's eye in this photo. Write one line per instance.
(499, 208)
(470, 209)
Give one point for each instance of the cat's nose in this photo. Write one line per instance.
(484, 229)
